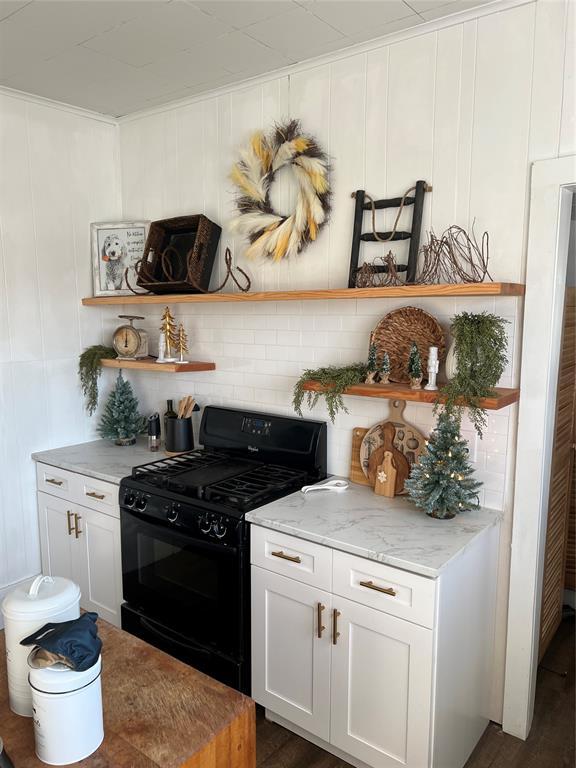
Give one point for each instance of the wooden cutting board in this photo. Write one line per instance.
(408, 439)
(356, 473)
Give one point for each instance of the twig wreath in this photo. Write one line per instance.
(271, 235)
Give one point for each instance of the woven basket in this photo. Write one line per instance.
(396, 332)
(176, 249)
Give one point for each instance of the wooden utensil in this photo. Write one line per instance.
(377, 457)
(385, 484)
(357, 474)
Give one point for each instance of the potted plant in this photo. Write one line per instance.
(121, 421)
(479, 358)
(89, 370)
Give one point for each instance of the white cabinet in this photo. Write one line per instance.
(381, 683)
(83, 544)
(400, 674)
(291, 650)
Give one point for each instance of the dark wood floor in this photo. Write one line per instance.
(550, 744)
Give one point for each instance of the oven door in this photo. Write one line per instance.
(195, 587)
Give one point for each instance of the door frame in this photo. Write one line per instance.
(552, 185)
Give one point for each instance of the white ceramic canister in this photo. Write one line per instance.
(26, 609)
(67, 706)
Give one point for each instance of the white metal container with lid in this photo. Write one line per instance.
(26, 609)
(67, 706)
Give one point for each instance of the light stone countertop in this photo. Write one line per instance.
(100, 458)
(391, 531)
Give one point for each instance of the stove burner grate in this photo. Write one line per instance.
(157, 472)
(255, 486)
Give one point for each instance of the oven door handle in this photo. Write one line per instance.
(188, 646)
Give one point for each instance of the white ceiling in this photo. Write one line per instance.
(121, 56)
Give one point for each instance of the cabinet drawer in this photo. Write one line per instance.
(56, 481)
(301, 560)
(387, 589)
(98, 494)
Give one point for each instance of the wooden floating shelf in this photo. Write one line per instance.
(502, 397)
(386, 292)
(150, 364)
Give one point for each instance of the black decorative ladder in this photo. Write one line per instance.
(413, 235)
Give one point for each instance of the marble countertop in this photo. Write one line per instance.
(158, 713)
(391, 531)
(100, 458)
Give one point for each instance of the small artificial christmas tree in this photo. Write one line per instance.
(168, 328)
(441, 482)
(385, 369)
(121, 421)
(415, 367)
(372, 365)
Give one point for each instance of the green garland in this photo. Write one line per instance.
(481, 357)
(335, 379)
(89, 370)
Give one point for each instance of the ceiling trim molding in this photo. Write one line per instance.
(42, 101)
(421, 29)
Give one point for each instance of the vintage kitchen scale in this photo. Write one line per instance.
(130, 343)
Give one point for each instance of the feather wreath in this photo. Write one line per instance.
(271, 235)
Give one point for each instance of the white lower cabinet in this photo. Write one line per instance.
(83, 545)
(381, 682)
(400, 673)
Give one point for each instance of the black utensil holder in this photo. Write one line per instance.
(179, 435)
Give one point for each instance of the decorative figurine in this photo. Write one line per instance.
(181, 344)
(161, 349)
(433, 365)
(415, 367)
(385, 369)
(371, 365)
(168, 328)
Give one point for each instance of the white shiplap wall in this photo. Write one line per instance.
(466, 106)
(59, 172)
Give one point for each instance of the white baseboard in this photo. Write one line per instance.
(8, 588)
(570, 598)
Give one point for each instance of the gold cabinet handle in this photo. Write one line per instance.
(94, 495)
(376, 588)
(77, 530)
(321, 627)
(70, 526)
(335, 633)
(283, 556)
(54, 482)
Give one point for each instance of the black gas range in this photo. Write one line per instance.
(185, 543)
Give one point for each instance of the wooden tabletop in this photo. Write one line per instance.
(158, 712)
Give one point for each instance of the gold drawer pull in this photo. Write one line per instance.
(376, 588)
(94, 495)
(54, 482)
(77, 530)
(70, 526)
(321, 627)
(335, 633)
(283, 556)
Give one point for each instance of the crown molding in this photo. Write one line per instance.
(31, 98)
(421, 29)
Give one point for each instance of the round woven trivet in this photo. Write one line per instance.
(396, 332)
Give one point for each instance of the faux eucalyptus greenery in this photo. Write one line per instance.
(333, 380)
(481, 349)
(89, 370)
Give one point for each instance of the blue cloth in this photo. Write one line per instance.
(76, 640)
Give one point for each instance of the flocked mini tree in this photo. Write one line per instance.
(442, 481)
(414, 362)
(372, 363)
(121, 421)
(385, 368)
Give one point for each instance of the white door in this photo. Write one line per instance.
(97, 563)
(56, 518)
(381, 687)
(290, 661)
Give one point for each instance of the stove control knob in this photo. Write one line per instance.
(129, 499)
(141, 503)
(173, 512)
(205, 523)
(219, 529)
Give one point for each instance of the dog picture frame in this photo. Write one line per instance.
(116, 247)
